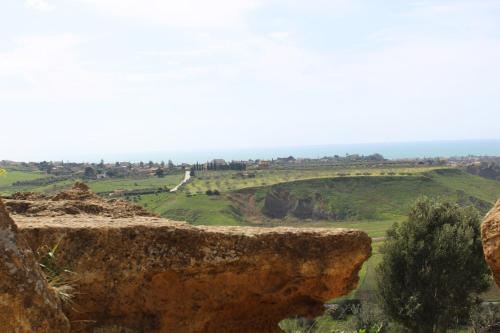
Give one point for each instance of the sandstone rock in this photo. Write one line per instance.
(27, 303)
(78, 200)
(146, 274)
(490, 234)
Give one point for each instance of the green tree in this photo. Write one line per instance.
(89, 173)
(433, 267)
(160, 173)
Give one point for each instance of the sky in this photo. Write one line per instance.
(104, 77)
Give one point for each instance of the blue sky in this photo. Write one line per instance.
(114, 76)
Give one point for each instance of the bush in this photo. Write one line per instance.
(214, 192)
(485, 318)
(368, 317)
(432, 267)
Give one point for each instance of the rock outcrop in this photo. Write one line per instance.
(27, 303)
(490, 234)
(78, 200)
(152, 275)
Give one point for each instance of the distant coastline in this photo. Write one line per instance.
(388, 150)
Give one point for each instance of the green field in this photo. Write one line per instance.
(11, 177)
(109, 185)
(225, 181)
(197, 209)
(7, 181)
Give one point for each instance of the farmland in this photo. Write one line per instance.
(225, 181)
(371, 203)
(370, 198)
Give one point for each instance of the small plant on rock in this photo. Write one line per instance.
(60, 279)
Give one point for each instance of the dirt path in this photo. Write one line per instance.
(187, 176)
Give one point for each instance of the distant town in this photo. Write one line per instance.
(486, 166)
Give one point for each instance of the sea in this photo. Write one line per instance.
(397, 150)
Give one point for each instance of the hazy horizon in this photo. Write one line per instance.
(390, 150)
(112, 77)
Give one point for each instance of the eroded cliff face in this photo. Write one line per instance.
(490, 234)
(27, 303)
(147, 274)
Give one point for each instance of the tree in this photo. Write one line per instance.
(433, 266)
(171, 164)
(160, 173)
(89, 173)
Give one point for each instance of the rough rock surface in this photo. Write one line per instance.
(490, 234)
(27, 303)
(147, 274)
(78, 200)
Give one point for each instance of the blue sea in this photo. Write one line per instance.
(388, 150)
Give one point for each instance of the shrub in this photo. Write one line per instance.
(368, 317)
(432, 267)
(485, 318)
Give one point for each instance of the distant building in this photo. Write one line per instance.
(264, 164)
(219, 161)
(288, 159)
(101, 175)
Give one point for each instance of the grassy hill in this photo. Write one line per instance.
(366, 202)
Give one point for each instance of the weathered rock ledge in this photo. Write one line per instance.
(27, 303)
(490, 234)
(147, 274)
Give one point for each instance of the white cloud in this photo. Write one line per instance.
(184, 14)
(38, 5)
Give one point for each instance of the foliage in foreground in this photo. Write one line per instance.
(433, 267)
